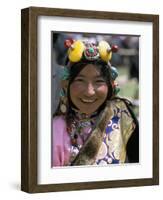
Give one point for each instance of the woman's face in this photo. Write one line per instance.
(89, 90)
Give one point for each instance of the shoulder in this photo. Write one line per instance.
(117, 106)
(59, 121)
(124, 107)
(121, 103)
(58, 118)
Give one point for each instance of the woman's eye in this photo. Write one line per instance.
(100, 81)
(79, 80)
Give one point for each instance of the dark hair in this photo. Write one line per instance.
(102, 66)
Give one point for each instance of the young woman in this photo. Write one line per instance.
(92, 125)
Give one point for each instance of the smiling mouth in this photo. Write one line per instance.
(88, 100)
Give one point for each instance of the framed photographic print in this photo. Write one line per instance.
(90, 99)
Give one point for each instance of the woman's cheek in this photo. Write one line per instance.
(76, 89)
(103, 90)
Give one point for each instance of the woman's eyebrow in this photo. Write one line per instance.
(84, 76)
(99, 76)
(80, 75)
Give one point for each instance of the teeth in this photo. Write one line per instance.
(87, 101)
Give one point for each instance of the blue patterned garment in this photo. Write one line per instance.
(112, 150)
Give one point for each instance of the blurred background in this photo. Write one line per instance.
(126, 60)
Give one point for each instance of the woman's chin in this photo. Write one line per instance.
(87, 112)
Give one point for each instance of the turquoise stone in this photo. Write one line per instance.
(91, 50)
(114, 73)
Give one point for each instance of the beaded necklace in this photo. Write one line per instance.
(80, 124)
(79, 129)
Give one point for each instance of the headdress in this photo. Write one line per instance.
(79, 51)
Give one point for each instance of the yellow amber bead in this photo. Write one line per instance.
(104, 52)
(75, 53)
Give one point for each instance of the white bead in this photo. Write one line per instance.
(63, 108)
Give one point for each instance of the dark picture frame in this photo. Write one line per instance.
(29, 97)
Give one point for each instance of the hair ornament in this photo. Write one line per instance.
(64, 73)
(75, 51)
(90, 51)
(115, 87)
(114, 73)
(68, 43)
(63, 100)
(105, 51)
(83, 50)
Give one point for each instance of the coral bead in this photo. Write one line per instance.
(68, 43)
(114, 48)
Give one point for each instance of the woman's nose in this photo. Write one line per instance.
(90, 90)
